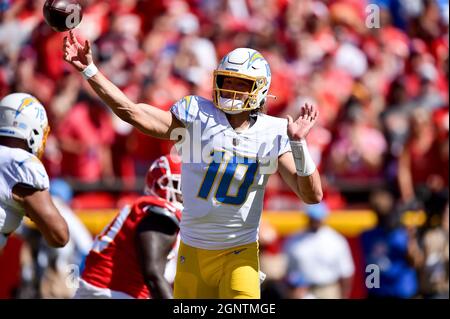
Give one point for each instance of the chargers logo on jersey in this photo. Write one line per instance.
(25, 103)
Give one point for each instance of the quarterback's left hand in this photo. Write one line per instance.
(300, 128)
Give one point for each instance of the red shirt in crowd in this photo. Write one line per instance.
(88, 129)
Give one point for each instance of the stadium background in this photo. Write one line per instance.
(382, 92)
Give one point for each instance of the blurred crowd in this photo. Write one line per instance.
(390, 260)
(378, 74)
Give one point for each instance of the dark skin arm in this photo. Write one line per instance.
(155, 238)
(39, 207)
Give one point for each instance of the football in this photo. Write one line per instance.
(62, 15)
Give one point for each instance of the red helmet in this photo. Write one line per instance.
(163, 178)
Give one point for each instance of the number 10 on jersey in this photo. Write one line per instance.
(222, 194)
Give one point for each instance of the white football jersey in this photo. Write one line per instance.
(17, 166)
(224, 173)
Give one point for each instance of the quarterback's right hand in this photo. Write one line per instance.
(76, 54)
(299, 128)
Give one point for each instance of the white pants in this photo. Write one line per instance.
(87, 291)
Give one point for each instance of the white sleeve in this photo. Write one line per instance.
(30, 172)
(186, 109)
(345, 263)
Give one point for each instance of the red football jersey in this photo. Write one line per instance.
(113, 261)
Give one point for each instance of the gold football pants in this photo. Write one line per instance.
(210, 274)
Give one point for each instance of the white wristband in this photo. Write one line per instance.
(90, 71)
(303, 162)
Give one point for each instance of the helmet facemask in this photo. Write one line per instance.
(171, 186)
(232, 101)
(40, 151)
